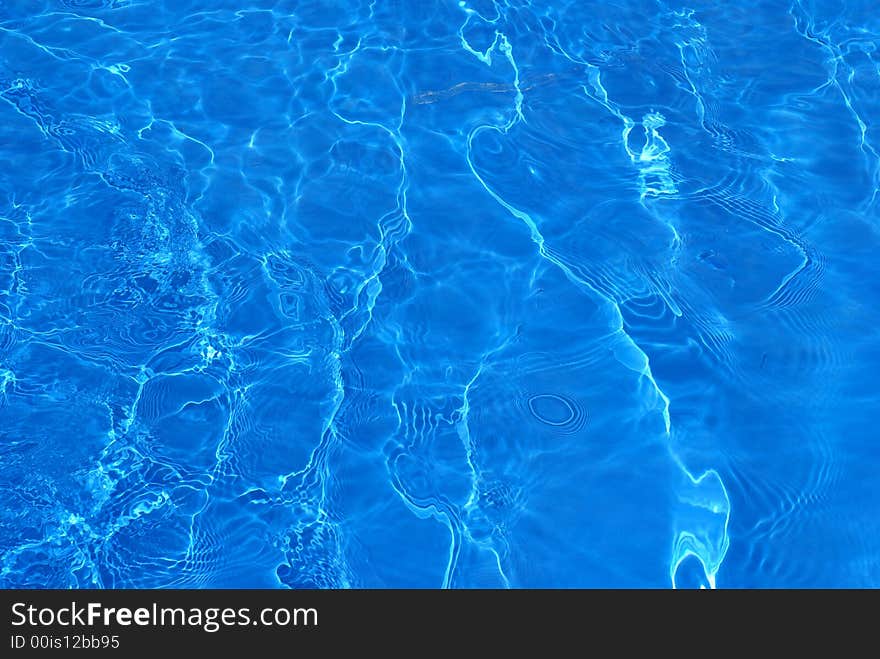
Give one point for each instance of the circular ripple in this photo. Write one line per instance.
(560, 412)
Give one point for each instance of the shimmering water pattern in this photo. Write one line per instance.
(439, 293)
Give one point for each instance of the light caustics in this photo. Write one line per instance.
(447, 294)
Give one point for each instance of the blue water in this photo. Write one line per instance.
(439, 294)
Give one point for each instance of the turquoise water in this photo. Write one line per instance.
(439, 294)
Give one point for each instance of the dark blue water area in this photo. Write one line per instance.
(433, 293)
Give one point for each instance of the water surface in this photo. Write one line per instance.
(439, 294)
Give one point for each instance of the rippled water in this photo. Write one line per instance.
(438, 293)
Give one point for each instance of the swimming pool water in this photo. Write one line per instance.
(510, 293)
